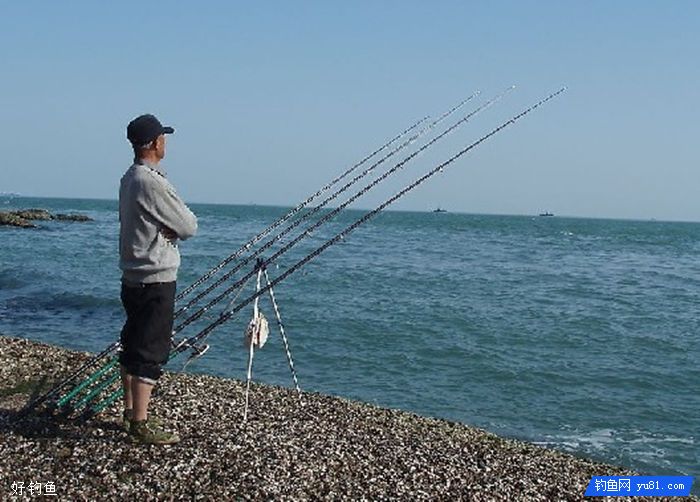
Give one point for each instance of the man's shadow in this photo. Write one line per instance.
(40, 422)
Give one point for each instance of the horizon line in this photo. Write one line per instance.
(15, 195)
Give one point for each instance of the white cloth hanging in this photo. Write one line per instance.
(258, 327)
(257, 331)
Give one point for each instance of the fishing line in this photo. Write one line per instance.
(291, 213)
(339, 236)
(314, 210)
(306, 233)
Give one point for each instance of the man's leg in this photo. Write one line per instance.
(125, 339)
(144, 348)
(141, 392)
(154, 345)
(150, 353)
(126, 384)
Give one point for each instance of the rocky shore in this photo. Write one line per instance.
(24, 217)
(326, 448)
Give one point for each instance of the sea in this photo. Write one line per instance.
(577, 334)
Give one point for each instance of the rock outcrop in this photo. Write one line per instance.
(24, 217)
(12, 220)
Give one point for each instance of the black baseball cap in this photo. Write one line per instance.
(145, 128)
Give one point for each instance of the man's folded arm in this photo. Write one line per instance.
(167, 207)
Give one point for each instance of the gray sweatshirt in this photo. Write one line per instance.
(148, 204)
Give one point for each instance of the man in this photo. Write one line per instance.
(152, 218)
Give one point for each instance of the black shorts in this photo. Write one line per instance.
(147, 332)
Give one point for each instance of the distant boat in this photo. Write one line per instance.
(439, 210)
(546, 214)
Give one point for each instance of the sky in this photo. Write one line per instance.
(270, 100)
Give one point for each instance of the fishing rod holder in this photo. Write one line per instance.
(259, 265)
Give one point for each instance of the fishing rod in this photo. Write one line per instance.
(63, 383)
(291, 213)
(341, 235)
(303, 204)
(65, 399)
(326, 217)
(317, 208)
(226, 316)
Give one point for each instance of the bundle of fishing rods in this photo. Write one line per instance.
(95, 385)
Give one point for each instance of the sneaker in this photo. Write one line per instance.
(128, 417)
(145, 432)
(126, 420)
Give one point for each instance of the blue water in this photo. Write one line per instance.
(579, 334)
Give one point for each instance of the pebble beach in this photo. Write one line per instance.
(313, 447)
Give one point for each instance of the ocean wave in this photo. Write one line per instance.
(60, 302)
(9, 281)
(639, 449)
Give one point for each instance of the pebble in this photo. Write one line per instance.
(328, 449)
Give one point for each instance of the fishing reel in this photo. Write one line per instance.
(197, 351)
